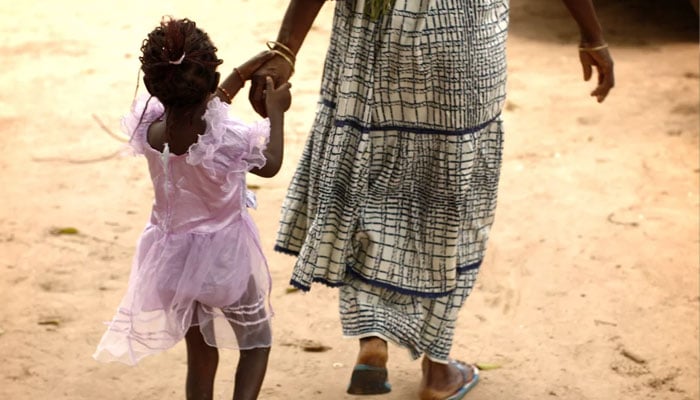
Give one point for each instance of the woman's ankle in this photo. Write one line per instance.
(440, 380)
(374, 351)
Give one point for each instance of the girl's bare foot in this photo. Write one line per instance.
(441, 381)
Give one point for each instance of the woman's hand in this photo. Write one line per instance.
(247, 69)
(276, 68)
(594, 56)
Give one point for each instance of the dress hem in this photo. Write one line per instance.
(306, 288)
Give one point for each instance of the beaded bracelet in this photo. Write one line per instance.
(226, 94)
(240, 76)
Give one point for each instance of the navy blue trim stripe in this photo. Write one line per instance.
(288, 252)
(340, 123)
(413, 129)
(384, 285)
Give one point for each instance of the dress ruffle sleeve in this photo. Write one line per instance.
(229, 145)
(258, 138)
(144, 110)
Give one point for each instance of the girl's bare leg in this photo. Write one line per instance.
(250, 373)
(202, 361)
(252, 363)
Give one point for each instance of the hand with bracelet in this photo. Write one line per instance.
(296, 24)
(598, 56)
(280, 67)
(228, 89)
(593, 50)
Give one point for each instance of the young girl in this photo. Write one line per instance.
(199, 272)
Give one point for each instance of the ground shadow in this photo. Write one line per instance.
(626, 22)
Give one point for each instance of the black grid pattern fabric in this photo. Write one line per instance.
(422, 325)
(397, 182)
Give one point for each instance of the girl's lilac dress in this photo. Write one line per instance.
(198, 261)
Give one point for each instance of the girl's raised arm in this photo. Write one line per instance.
(277, 101)
(228, 89)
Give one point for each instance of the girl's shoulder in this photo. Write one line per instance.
(144, 111)
(227, 136)
(220, 122)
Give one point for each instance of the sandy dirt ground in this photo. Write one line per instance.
(590, 286)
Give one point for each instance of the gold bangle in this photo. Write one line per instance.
(270, 44)
(596, 48)
(286, 58)
(226, 94)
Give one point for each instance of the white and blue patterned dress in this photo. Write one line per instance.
(394, 195)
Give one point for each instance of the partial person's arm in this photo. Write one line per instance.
(230, 86)
(593, 50)
(297, 22)
(277, 101)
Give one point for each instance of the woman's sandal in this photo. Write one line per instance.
(468, 384)
(367, 379)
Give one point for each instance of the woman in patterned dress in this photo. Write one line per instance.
(394, 195)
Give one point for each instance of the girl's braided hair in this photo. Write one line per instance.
(179, 63)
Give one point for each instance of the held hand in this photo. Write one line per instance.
(598, 57)
(276, 68)
(247, 68)
(277, 99)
